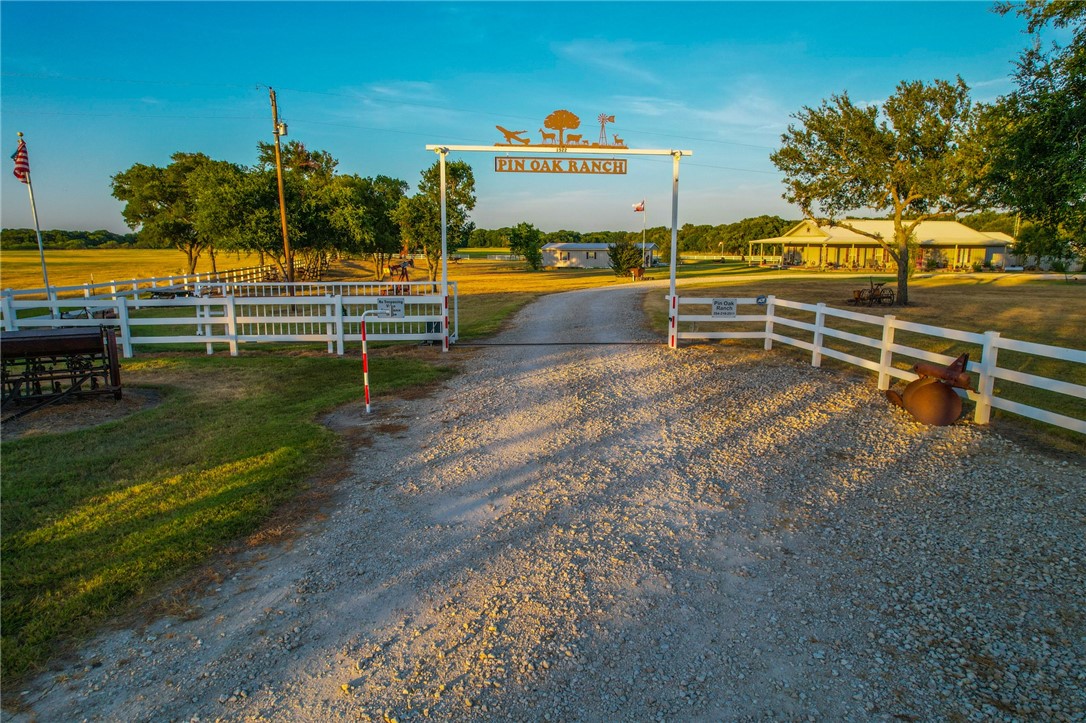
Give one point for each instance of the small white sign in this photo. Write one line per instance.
(724, 308)
(391, 307)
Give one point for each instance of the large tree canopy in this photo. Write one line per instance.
(419, 216)
(1039, 131)
(527, 241)
(162, 202)
(915, 157)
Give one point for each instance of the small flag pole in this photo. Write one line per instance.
(25, 178)
(644, 217)
(640, 208)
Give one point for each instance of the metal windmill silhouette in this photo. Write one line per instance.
(604, 119)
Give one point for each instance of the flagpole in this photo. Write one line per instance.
(644, 220)
(37, 231)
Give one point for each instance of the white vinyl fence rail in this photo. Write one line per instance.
(133, 288)
(225, 315)
(892, 359)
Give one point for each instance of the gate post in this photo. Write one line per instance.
(673, 299)
(442, 153)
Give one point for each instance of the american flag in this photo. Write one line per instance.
(22, 162)
(639, 206)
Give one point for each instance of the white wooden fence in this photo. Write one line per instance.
(769, 316)
(135, 287)
(225, 315)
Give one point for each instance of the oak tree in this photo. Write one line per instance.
(1039, 131)
(915, 157)
(419, 216)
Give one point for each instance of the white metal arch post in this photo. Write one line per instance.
(672, 299)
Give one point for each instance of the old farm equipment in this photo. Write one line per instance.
(873, 294)
(42, 366)
(931, 398)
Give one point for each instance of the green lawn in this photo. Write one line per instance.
(93, 519)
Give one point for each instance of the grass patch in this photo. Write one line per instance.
(95, 518)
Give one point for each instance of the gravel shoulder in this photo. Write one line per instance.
(625, 532)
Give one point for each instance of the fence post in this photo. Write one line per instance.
(113, 288)
(126, 327)
(207, 326)
(10, 320)
(673, 320)
(456, 312)
(330, 326)
(770, 310)
(231, 323)
(339, 324)
(820, 322)
(886, 353)
(986, 383)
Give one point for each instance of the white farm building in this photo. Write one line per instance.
(584, 256)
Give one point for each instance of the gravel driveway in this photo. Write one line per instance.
(628, 533)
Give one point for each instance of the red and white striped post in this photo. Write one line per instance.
(366, 357)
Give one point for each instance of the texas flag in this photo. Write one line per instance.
(639, 207)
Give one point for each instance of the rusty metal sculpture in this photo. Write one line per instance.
(931, 398)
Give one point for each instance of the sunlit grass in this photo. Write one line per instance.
(22, 269)
(93, 519)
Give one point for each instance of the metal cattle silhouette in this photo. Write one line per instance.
(931, 398)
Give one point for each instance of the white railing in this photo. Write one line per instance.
(228, 315)
(984, 363)
(133, 288)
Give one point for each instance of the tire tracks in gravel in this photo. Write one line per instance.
(615, 532)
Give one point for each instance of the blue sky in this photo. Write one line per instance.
(98, 86)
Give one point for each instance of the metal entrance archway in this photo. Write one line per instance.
(672, 299)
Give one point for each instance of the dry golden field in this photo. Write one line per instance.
(22, 269)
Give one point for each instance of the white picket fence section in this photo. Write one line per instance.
(990, 344)
(225, 315)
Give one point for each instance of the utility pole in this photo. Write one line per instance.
(280, 129)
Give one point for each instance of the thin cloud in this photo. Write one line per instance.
(614, 56)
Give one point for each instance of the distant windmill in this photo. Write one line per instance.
(604, 119)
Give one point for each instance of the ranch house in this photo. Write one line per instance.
(584, 256)
(947, 244)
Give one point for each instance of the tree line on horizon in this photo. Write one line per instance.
(700, 238)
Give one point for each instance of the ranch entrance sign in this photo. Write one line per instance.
(556, 140)
(610, 166)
